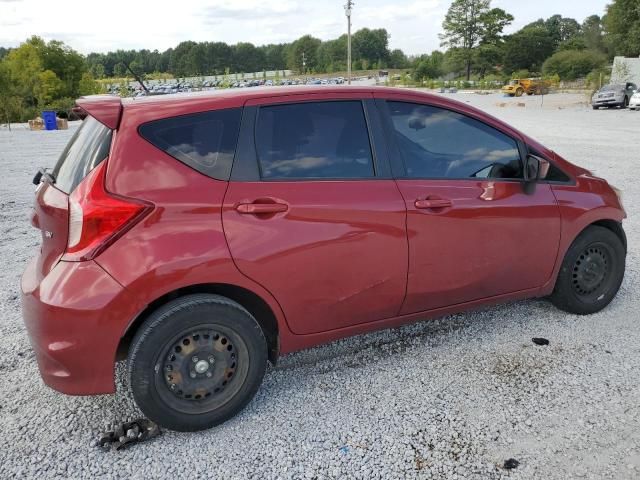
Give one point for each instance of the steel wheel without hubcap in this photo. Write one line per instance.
(591, 274)
(201, 369)
(196, 361)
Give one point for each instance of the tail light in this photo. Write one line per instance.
(97, 218)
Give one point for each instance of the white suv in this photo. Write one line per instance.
(634, 103)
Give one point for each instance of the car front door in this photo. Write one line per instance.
(312, 214)
(475, 231)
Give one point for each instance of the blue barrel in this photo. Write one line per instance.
(49, 117)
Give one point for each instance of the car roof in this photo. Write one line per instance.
(244, 94)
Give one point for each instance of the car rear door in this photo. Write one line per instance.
(312, 214)
(475, 229)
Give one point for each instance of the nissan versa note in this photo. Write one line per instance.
(202, 235)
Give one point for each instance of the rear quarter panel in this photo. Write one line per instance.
(181, 243)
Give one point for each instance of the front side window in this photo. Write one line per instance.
(439, 143)
(314, 140)
(204, 141)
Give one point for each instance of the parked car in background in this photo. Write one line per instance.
(345, 210)
(634, 103)
(614, 95)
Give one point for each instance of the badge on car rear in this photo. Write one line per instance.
(48, 234)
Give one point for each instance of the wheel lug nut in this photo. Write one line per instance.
(209, 374)
(211, 359)
(195, 359)
(192, 374)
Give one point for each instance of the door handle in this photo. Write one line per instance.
(433, 203)
(261, 208)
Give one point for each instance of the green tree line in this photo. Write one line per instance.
(477, 47)
(188, 59)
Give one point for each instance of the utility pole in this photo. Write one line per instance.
(304, 66)
(347, 10)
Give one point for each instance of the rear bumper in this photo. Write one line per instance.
(75, 316)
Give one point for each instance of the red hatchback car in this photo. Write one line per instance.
(202, 235)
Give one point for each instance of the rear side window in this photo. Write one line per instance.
(439, 143)
(205, 141)
(87, 148)
(314, 140)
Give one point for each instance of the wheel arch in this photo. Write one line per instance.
(249, 300)
(614, 226)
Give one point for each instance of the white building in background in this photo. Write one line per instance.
(625, 70)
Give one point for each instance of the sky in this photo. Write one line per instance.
(100, 26)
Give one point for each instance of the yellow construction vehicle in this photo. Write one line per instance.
(530, 86)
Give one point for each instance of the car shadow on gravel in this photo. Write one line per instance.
(355, 351)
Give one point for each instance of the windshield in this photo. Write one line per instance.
(612, 88)
(86, 149)
(514, 82)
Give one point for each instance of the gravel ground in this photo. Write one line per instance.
(451, 398)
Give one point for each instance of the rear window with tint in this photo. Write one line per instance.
(205, 141)
(314, 140)
(87, 148)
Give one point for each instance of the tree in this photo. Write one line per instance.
(469, 23)
(370, 47)
(48, 88)
(592, 33)
(88, 85)
(493, 23)
(397, 59)
(572, 64)
(622, 24)
(24, 66)
(527, 49)
(309, 46)
(11, 104)
(561, 28)
(332, 55)
(429, 66)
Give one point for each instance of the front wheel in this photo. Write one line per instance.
(591, 272)
(519, 92)
(196, 362)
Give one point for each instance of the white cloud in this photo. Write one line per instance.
(90, 25)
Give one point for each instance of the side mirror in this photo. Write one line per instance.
(535, 168)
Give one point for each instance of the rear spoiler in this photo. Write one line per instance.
(107, 109)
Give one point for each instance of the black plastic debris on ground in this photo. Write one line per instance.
(124, 434)
(511, 464)
(540, 341)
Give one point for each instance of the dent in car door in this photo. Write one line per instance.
(333, 252)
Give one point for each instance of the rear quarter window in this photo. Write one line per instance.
(88, 147)
(204, 141)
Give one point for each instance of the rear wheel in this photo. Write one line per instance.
(196, 362)
(591, 273)
(595, 107)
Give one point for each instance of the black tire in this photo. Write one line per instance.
(591, 272)
(595, 107)
(216, 348)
